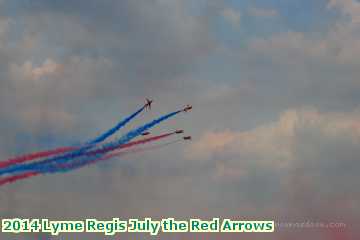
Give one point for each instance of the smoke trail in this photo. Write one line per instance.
(136, 150)
(96, 156)
(71, 166)
(147, 148)
(32, 156)
(89, 144)
(15, 178)
(117, 127)
(122, 153)
(42, 165)
(112, 145)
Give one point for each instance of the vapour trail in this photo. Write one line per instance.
(35, 155)
(114, 153)
(147, 148)
(111, 145)
(88, 145)
(70, 166)
(14, 178)
(137, 150)
(117, 127)
(92, 157)
(41, 165)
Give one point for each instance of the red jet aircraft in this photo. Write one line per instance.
(148, 104)
(187, 108)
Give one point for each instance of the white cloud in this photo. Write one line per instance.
(339, 45)
(290, 46)
(48, 68)
(261, 12)
(28, 71)
(275, 144)
(38, 115)
(4, 28)
(268, 142)
(4, 25)
(350, 8)
(41, 105)
(218, 92)
(232, 16)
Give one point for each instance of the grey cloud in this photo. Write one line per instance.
(319, 174)
(111, 54)
(114, 51)
(152, 41)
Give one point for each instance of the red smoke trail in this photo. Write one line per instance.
(101, 138)
(70, 166)
(35, 155)
(32, 156)
(15, 178)
(136, 150)
(47, 165)
(83, 162)
(147, 148)
(126, 145)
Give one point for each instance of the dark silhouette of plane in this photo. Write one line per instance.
(187, 108)
(148, 104)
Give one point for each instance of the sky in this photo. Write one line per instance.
(275, 125)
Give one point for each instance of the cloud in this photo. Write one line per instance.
(275, 144)
(47, 69)
(305, 156)
(232, 16)
(4, 25)
(340, 45)
(243, 167)
(70, 69)
(261, 12)
(222, 91)
(269, 142)
(290, 47)
(4, 31)
(44, 95)
(60, 62)
(350, 8)
(149, 42)
(40, 117)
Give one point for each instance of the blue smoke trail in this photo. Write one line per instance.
(90, 144)
(60, 151)
(117, 127)
(95, 157)
(111, 145)
(47, 164)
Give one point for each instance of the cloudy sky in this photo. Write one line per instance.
(276, 119)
